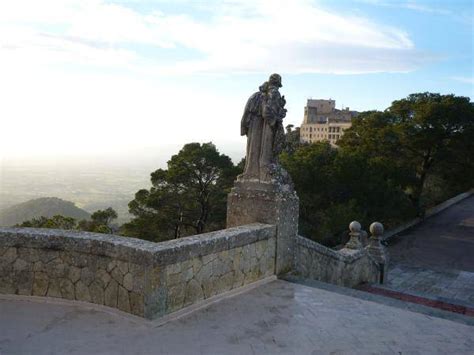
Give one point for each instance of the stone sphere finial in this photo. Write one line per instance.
(355, 227)
(376, 229)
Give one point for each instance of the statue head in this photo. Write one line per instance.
(263, 87)
(275, 80)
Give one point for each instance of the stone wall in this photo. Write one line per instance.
(136, 276)
(345, 267)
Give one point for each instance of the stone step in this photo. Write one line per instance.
(443, 303)
(448, 285)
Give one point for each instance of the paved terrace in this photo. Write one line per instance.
(275, 317)
(436, 258)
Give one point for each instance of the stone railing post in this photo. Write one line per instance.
(376, 250)
(355, 233)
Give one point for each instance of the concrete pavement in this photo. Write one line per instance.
(443, 241)
(436, 258)
(278, 317)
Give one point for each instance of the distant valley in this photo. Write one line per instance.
(89, 187)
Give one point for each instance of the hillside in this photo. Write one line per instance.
(46, 206)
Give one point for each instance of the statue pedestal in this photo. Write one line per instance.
(252, 201)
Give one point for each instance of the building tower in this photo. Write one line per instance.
(323, 122)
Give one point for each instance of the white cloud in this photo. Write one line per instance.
(235, 36)
(89, 76)
(464, 79)
(432, 8)
(411, 5)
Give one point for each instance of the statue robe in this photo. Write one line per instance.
(261, 121)
(272, 115)
(252, 126)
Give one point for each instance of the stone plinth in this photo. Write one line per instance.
(270, 203)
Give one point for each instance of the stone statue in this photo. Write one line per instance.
(264, 193)
(262, 123)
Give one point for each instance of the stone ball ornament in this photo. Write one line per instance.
(355, 227)
(376, 228)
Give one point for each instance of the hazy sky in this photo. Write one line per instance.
(137, 78)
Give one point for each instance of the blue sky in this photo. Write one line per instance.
(138, 77)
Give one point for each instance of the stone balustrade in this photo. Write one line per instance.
(360, 261)
(136, 276)
(345, 267)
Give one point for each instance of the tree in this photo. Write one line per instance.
(432, 125)
(55, 222)
(189, 197)
(310, 170)
(100, 221)
(336, 187)
(415, 136)
(104, 217)
(292, 139)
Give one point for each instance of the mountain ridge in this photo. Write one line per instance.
(43, 206)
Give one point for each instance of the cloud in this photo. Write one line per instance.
(435, 8)
(226, 36)
(464, 79)
(411, 5)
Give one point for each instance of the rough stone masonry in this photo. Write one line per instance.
(136, 276)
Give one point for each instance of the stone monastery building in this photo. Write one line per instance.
(323, 122)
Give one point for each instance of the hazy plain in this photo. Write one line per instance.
(92, 183)
(90, 186)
